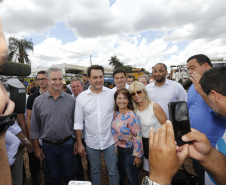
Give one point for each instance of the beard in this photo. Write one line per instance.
(159, 80)
(215, 108)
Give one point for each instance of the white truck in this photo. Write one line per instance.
(180, 73)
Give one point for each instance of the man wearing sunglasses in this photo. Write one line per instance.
(163, 91)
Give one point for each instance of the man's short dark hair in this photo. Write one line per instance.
(84, 75)
(131, 76)
(214, 79)
(41, 72)
(201, 59)
(119, 70)
(31, 80)
(164, 65)
(96, 67)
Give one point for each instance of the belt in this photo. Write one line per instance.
(56, 143)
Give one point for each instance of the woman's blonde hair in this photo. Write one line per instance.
(138, 86)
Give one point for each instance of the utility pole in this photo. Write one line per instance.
(90, 60)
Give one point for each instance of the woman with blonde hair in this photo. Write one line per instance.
(151, 115)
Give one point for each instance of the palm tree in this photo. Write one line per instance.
(115, 62)
(18, 50)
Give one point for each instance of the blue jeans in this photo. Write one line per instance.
(126, 159)
(34, 165)
(59, 160)
(111, 161)
(46, 172)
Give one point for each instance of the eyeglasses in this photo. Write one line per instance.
(138, 93)
(41, 79)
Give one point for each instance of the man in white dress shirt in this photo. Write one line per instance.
(94, 107)
(119, 76)
(163, 91)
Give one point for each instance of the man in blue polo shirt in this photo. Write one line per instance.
(201, 116)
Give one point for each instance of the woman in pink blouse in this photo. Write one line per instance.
(126, 130)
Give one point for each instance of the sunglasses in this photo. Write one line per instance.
(138, 93)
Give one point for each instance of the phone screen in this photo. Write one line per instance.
(178, 112)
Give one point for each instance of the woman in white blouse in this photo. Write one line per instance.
(151, 115)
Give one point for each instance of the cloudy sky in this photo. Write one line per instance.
(140, 33)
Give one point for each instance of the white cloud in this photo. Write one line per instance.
(103, 31)
(172, 50)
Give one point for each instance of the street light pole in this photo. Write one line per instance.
(90, 60)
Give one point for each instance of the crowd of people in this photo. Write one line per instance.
(127, 124)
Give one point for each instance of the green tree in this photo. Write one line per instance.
(115, 62)
(128, 69)
(18, 50)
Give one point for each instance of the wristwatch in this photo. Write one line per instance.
(25, 139)
(147, 181)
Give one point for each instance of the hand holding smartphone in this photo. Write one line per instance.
(178, 113)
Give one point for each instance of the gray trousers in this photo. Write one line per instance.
(17, 168)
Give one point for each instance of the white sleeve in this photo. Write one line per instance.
(79, 115)
(15, 128)
(182, 94)
(12, 144)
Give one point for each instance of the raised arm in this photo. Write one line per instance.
(212, 160)
(5, 174)
(159, 113)
(195, 77)
(164, 161)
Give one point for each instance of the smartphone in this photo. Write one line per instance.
(79, 183)
(7, 121)
(178, 113)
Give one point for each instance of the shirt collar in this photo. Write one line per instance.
(166, 82)
(90, 92)
(62, 93)
(74, 96)
(86, 82)
(216, 114)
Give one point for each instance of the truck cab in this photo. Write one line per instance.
(109, 80)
